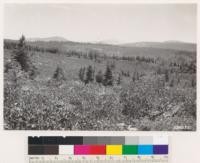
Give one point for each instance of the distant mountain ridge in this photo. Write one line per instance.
(174, 45)
(171, 44)
(108, 42)
(48, 39)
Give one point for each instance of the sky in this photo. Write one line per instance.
(121, 23)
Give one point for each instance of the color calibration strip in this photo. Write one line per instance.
(98, 145)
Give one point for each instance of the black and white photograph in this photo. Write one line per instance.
(100, 67)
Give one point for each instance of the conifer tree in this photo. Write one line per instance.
(59, 74)
(89, 75)
(82, 74)
(166, 76)
(21, 55)
(108, 78)
(119, 80)
(99, 77)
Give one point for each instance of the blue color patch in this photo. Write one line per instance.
(145, 149)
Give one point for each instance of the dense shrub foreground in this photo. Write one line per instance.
(75, 106)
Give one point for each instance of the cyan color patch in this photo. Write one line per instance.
(145, 149)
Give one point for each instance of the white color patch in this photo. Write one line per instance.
(66, 149)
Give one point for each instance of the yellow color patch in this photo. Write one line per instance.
(113, 149)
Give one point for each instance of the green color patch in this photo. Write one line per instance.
(130, 149)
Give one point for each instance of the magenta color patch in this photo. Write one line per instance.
(81, 149)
